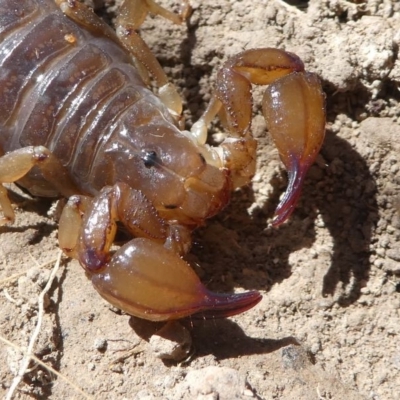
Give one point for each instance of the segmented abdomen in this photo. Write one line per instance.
(61, 86)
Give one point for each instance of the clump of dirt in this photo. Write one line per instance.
(328, 325)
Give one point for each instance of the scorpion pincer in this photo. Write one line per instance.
(78, 120)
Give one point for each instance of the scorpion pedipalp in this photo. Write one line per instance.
(147, 280)
(294, 108)
(147, 276)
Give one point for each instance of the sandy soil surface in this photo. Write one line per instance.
(328, 325)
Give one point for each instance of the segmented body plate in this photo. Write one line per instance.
(66, 89)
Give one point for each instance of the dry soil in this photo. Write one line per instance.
(328, 325)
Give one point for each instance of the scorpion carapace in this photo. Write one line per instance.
(78, 121)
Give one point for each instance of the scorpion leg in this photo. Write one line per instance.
(144, 277)
(294, 109)
(70, 224)
(84, 16)
(132, 13)
(16, 164)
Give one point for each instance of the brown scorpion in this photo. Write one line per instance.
(78, 120)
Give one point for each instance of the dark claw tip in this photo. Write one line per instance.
(296, 175)
(226, 305)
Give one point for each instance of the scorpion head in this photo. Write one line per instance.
(170, 170)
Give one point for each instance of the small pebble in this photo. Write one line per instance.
(172, 342)
(91, 367)
(294, 357)
(214, 382)
(100, 344)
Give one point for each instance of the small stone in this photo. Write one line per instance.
(91, 367)
(391, 266)
(144, 395)
(394, 253)
(100, 344)
(294, 357)
(117, 368)
(172, 342)
(380, 252)
(248, 393)
(315, 347)
(213, 382)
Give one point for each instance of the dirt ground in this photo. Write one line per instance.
(328, 325)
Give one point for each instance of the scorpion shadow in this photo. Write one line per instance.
(346, 199)
(350, 216)
(222, 338)
(225, 339)
(348, 208)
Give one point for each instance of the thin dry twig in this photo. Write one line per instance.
(8, 296)
(34, 259)
(29, 351)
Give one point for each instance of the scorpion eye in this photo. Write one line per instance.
(150, 158)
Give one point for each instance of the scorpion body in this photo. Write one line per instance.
(78, 121)
(75, 98)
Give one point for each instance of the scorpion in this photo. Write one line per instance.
(79, 121)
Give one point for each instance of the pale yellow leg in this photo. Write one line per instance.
(131, 16)
(16, 164)
(5, 204)
(84, 16)
(70, 224)
(132, 13)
